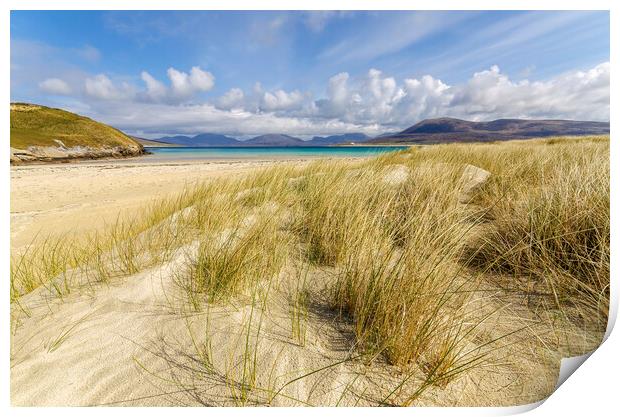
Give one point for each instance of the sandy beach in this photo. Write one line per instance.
(113, 343)
(55, 199)
(152, 318)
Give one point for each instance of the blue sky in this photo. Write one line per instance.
(308, 73)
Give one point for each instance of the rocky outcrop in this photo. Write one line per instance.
(18, 155)
(472, 180)
(396, 174)
(63, 154)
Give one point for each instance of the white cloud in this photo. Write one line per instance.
(102, 88)
(489, 94)
(372, 103)
(422, 98)
(55, 86)
(184, 85)
(180, 82)
(261, 101)
(201, 80)
(233, 98)
(380, 102)
(281, 100)
(338, 99)
(155, 89)
(153, 118)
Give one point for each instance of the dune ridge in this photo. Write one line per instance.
(373, 282)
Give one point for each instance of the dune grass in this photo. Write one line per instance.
(402, 259)
(548, 221)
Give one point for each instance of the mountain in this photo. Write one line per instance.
(447, 129)
(40, 133)
(204, 139)
(274, 140)
(211, 139)
(337, 139)
(152, 142)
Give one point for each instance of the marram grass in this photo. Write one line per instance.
(403, 258)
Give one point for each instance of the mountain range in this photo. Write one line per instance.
(204, 139)
(445, 129)
(440, 130)
(215, 140)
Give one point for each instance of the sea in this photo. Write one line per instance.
(266, 153)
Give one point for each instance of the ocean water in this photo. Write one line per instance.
(256, 152)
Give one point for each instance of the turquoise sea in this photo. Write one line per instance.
(256, 152)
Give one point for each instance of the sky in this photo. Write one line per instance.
(245, 73)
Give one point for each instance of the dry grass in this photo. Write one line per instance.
(39, 125)
(403, 258)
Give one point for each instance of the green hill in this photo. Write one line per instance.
(35, 125)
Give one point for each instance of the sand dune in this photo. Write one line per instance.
(136, 341)
(160, 336)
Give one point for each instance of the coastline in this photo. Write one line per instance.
(67, 198)
(62, 155)
(73, 195)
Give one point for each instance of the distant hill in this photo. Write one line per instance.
(447, 129)
(204, 139)
(338, 139)
(274, 140)
(152, 143)
(211, 139)
(40, 133)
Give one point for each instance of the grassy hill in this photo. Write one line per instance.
(35, 125)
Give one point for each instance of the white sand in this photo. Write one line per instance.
(62, 198)
(128, 342)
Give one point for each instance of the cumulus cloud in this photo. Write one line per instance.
(260, 101)
(573, 95)
(372, 103)
(55, 86)
(158, 119)
(376, 99)
(233, 98)
(102, 88)
(281, 100)
(184, 85)
(338, 99)
(487, 95)
(155, 89)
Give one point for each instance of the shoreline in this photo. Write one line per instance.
(27, 157)
(136, 162)
(146, 156)
(52, 199)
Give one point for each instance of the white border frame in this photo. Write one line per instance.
(593, 387)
